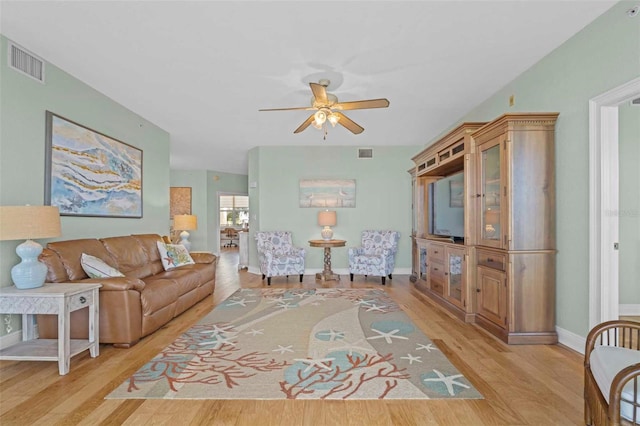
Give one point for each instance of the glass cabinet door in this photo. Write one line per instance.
(422, 273)
(490, 228)
(455, 269)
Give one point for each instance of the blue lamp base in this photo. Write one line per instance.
(30, 273)
(184, 240)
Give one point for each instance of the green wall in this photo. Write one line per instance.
(205, 187)
(629, 154)
(23, 103)
(383, 196)
(604, 55)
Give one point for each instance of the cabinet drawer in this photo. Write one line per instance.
(436, 273)
(492, 260)
(437, 287)
(435, 252)
(79, 301)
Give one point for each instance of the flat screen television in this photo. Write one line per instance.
(446, 207)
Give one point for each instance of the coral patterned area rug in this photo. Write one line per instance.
(301, 344)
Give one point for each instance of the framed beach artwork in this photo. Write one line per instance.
(89, 173)
(327, 193)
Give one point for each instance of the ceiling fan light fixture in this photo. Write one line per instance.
(320, 116)
(333, 119)
(317, 125)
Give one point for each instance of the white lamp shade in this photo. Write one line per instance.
(327, 218)
(29, 222)
(185, 222)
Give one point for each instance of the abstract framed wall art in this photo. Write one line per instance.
(327, 193)
(89, 173)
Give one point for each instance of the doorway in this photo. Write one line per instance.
(233, 216)
(604, 179)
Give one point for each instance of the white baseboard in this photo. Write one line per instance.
(571, 340)
(629, 310)
(10, 339)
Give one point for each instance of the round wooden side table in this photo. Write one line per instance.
(327, 274)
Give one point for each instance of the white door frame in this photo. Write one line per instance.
(218, 194)
(603, 201)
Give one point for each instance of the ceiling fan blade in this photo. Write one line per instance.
(351, 125)
(287, 109)
(366, 104)
(304, 125)
(319, 92)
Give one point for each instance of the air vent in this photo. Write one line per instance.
(636, 102)
(25, 62)
(365, 153)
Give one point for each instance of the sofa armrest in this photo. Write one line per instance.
(203, 257)
(297, 251)
(117, 283)
(355, 251)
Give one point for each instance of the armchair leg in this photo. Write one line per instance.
(390, 277)
(301, 275)
(263, 276)
(351, 277)
(384, 280)
(268, 280)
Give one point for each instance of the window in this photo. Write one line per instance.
(234, 210)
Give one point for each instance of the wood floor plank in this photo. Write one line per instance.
(521, 385)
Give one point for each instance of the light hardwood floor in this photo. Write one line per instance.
(522, 385)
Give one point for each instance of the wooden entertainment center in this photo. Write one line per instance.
(500, 273)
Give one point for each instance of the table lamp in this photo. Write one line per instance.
(27, 222)
(184, 223)
(327, 219)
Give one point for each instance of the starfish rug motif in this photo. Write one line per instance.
(301, 344)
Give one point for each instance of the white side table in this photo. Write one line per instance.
(60, 299)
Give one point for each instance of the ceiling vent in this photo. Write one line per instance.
(636, 102)
(365, 153)
(26, 62)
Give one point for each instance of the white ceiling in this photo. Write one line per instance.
(202, 69)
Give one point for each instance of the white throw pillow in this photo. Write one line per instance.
(174, 255)
(96, 268)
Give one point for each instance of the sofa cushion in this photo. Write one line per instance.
(173, 255)
(71, 251)
(186, 279)
(56, 273)
(606, 362)
(128, 254)
(148, 243)
(96, 268)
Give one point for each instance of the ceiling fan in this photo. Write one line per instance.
(327, 108)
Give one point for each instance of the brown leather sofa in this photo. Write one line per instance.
(135, 305)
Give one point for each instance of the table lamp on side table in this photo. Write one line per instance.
(27, 222)
(327, 219)
(184, 223)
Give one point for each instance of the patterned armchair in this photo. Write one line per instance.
(277, 256)
(377, 256)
